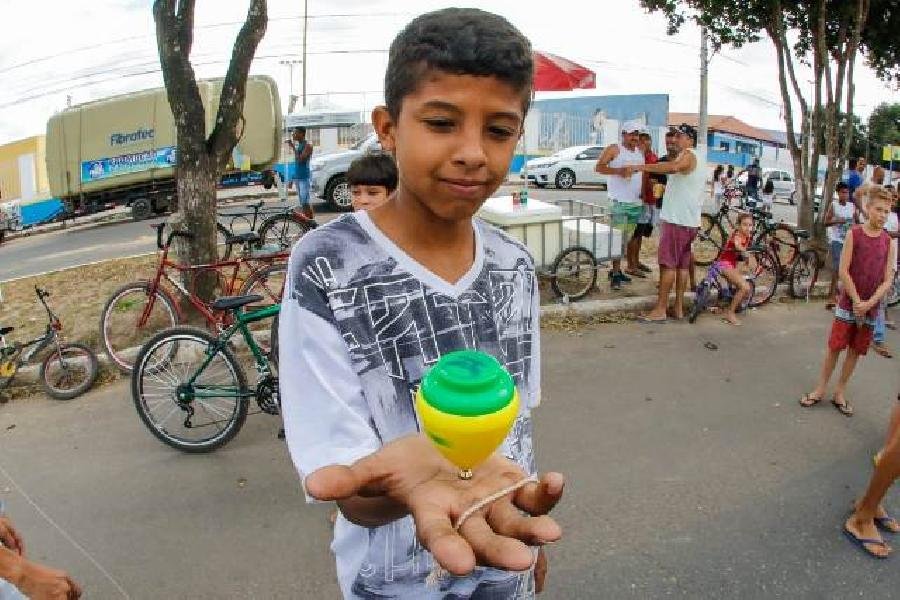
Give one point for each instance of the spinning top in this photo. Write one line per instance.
(467, 403)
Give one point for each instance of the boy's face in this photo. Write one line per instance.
(367, 197)
(453, 141)
(843, 195)
(746, 226)
(877, 211)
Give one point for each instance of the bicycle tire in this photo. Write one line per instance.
(58, 393)
(786, 243)
(804, 274)
(585, 273)
(893, 297)
(701, 296)
(273, 343)
(120, 356)
(284, 230)
(767, 271)
(143, 371)
(706, 247)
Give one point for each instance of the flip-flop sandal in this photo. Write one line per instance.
(807, 401)
(887, 523)
(727, 322)
(647, 321)
(862, 544)
(845, 408)
(882, 351)
(636, 273)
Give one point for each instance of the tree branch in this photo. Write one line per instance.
(234, 89)
(186, 25)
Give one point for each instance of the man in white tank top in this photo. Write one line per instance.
(623, 186)
(679, 221)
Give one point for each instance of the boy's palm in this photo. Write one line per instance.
(411, 472)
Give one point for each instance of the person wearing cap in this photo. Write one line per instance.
(623, 186)
(679, 221)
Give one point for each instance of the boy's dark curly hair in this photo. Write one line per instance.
(459, 41)
(375, 168)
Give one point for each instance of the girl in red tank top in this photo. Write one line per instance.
(866, 272)
(728, 265)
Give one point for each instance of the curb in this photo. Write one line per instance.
(636, 304)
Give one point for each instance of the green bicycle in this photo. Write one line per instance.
(189, 387)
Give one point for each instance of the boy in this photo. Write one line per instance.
(867, 271)
(372, 178)
(650, 215)
(302, 150)
(841, 214)
(374, 298)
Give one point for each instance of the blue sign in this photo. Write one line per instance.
(104, 168)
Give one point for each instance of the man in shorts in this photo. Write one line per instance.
(650, 215)
(679, 221)
(623, 186)
(302, 150)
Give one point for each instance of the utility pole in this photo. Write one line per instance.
(290, 65)
(305, 28)
(703, 120)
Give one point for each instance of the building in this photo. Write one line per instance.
(730, 141)
(23, 170)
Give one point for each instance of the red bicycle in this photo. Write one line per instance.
(139, 310)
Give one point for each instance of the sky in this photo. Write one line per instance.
(56, 51)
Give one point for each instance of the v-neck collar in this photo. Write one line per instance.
(417, 269)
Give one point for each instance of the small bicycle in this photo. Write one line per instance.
(66, 372)
(189, 388)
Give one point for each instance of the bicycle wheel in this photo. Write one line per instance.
(804, 274)
(267, 282)
(69, 371)
(706, 245)
(765, 279)
(222, 236)
(273, 343)
(893, 295)
(283, 230)
(785, 244)
(701, 297)
(574, 273)
(197, 416)
(130, 317)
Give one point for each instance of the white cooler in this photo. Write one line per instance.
(536, 224)
(595, 237)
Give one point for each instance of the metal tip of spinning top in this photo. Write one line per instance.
(465, 474)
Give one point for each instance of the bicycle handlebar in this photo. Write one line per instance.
(159, 233)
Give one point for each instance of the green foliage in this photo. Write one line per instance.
(884, 128)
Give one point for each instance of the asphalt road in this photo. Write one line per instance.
(692, 473)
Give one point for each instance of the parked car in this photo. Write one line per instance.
(781, 179)
(566, 168)
(329, 173)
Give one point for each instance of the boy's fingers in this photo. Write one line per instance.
(540, 498)
(495, 550)
(449, 549)
(505, 519)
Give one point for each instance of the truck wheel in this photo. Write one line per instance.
(337, 193)
(268, 180)
(160, 207)
(141, 209)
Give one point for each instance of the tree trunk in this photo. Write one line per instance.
(197, 215)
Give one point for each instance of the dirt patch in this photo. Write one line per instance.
(76, 295)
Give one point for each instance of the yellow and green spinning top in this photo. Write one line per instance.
(467, 403)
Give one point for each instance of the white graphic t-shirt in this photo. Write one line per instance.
(361, 322)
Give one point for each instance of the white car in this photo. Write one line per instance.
(328, 173)
(781, 180)
(566, 168)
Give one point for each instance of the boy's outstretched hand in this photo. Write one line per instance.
(412, 473)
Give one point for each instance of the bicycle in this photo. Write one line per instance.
(804, 269)
(138, 310)
(186, 372)
(715, 282)
(716, 227)
(278, 231)
(66, 372)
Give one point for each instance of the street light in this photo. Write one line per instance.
(290, 65)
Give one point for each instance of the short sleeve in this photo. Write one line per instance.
(326, 418)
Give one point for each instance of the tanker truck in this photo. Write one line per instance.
(122, 150)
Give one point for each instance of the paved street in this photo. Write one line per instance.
(67, 248)
(692, 473)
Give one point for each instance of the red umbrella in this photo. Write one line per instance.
(556, 74)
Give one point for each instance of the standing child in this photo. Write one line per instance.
(728, 265)
(372, 179)
(892, 226)
(374, 298)
(768, 195)
(866, 270)
(841, 214)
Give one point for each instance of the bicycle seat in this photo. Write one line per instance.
(801, 233)
(250, 237)
(5, 330)
(233, 302)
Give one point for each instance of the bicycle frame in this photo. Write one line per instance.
(241, 323)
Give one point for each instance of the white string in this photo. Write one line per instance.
(65, 534)
(437, 571)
